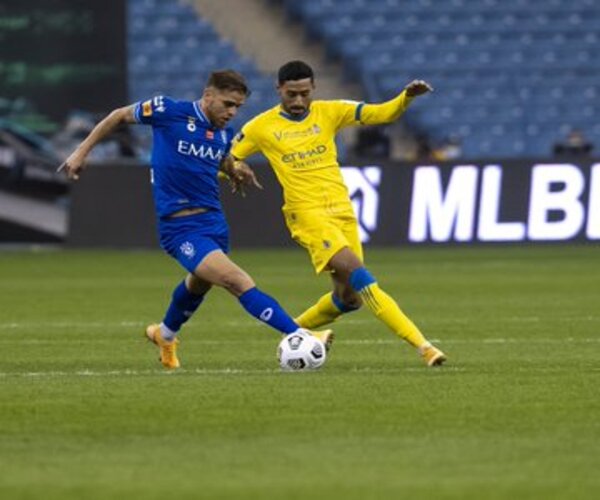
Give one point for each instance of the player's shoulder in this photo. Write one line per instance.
(327, 104)
(339, 109)
(261, 119)
(166, 104)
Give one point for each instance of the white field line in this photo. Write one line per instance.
(196, 372)
(70, 324)
(255, 324)
(190, 340)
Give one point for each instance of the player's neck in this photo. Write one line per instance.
(202, 108)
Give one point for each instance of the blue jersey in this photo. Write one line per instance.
(186, 154)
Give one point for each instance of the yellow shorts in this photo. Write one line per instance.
(324, 234)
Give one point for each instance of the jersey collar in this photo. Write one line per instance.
(200, 114)
(293, 118)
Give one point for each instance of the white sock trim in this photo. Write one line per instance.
(166, 333)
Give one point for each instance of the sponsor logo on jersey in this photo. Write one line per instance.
(210, 134)
(304, 155)
(147, 108)
(239, 137)
(191, 126)
(200, 151)
(297, 134)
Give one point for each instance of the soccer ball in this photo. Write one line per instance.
(301, 351)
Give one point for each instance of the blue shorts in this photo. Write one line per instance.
(189, 239)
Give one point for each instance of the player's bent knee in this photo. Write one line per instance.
(196, 285)
(236, 282)
(347, 301)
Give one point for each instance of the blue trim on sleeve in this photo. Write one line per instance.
(340, 305)
(358, 111)
(361, 278)
(136, 113)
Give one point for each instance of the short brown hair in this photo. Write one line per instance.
(228, 79)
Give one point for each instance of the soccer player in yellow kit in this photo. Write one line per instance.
(297, 137)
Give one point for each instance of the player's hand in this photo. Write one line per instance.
(242, 176)
(417, 87)
(73, 166)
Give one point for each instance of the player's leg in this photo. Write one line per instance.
(323, 235)
(185, 300)
(351, 270)
(330, 306)
(217, 268)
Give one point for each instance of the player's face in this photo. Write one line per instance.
(220, 106)
(296, 96)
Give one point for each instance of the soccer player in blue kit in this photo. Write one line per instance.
(190, 147)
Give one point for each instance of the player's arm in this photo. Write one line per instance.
(390, 111)
(239, 174)
(75, 163)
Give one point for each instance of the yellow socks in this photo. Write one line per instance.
(328, 308)
(386, 309)
(322, 313)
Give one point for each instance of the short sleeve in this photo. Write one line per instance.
(244, 143)
(154, 111)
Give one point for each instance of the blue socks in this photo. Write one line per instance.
(183, 305)
(267, 309)
(343, 308)
(260, 305)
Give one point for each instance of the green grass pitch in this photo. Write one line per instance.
(86, 412)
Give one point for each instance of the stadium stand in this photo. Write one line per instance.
(512, 76)
(171, 51)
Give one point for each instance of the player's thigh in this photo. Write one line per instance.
(349, 256)
(343, 263)
(349, 228)
(190, 239)
(220, 270)
(320, 234)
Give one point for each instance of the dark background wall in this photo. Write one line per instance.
(397, 204)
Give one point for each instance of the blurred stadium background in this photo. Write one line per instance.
(516, 81)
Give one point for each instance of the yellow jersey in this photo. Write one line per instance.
(302, 150)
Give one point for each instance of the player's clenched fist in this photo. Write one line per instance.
(417, 87)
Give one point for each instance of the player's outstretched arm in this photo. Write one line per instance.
(390, 111)
(75, 163)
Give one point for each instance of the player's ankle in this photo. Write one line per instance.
(424, 345)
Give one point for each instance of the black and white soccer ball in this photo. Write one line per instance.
(301, 351)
